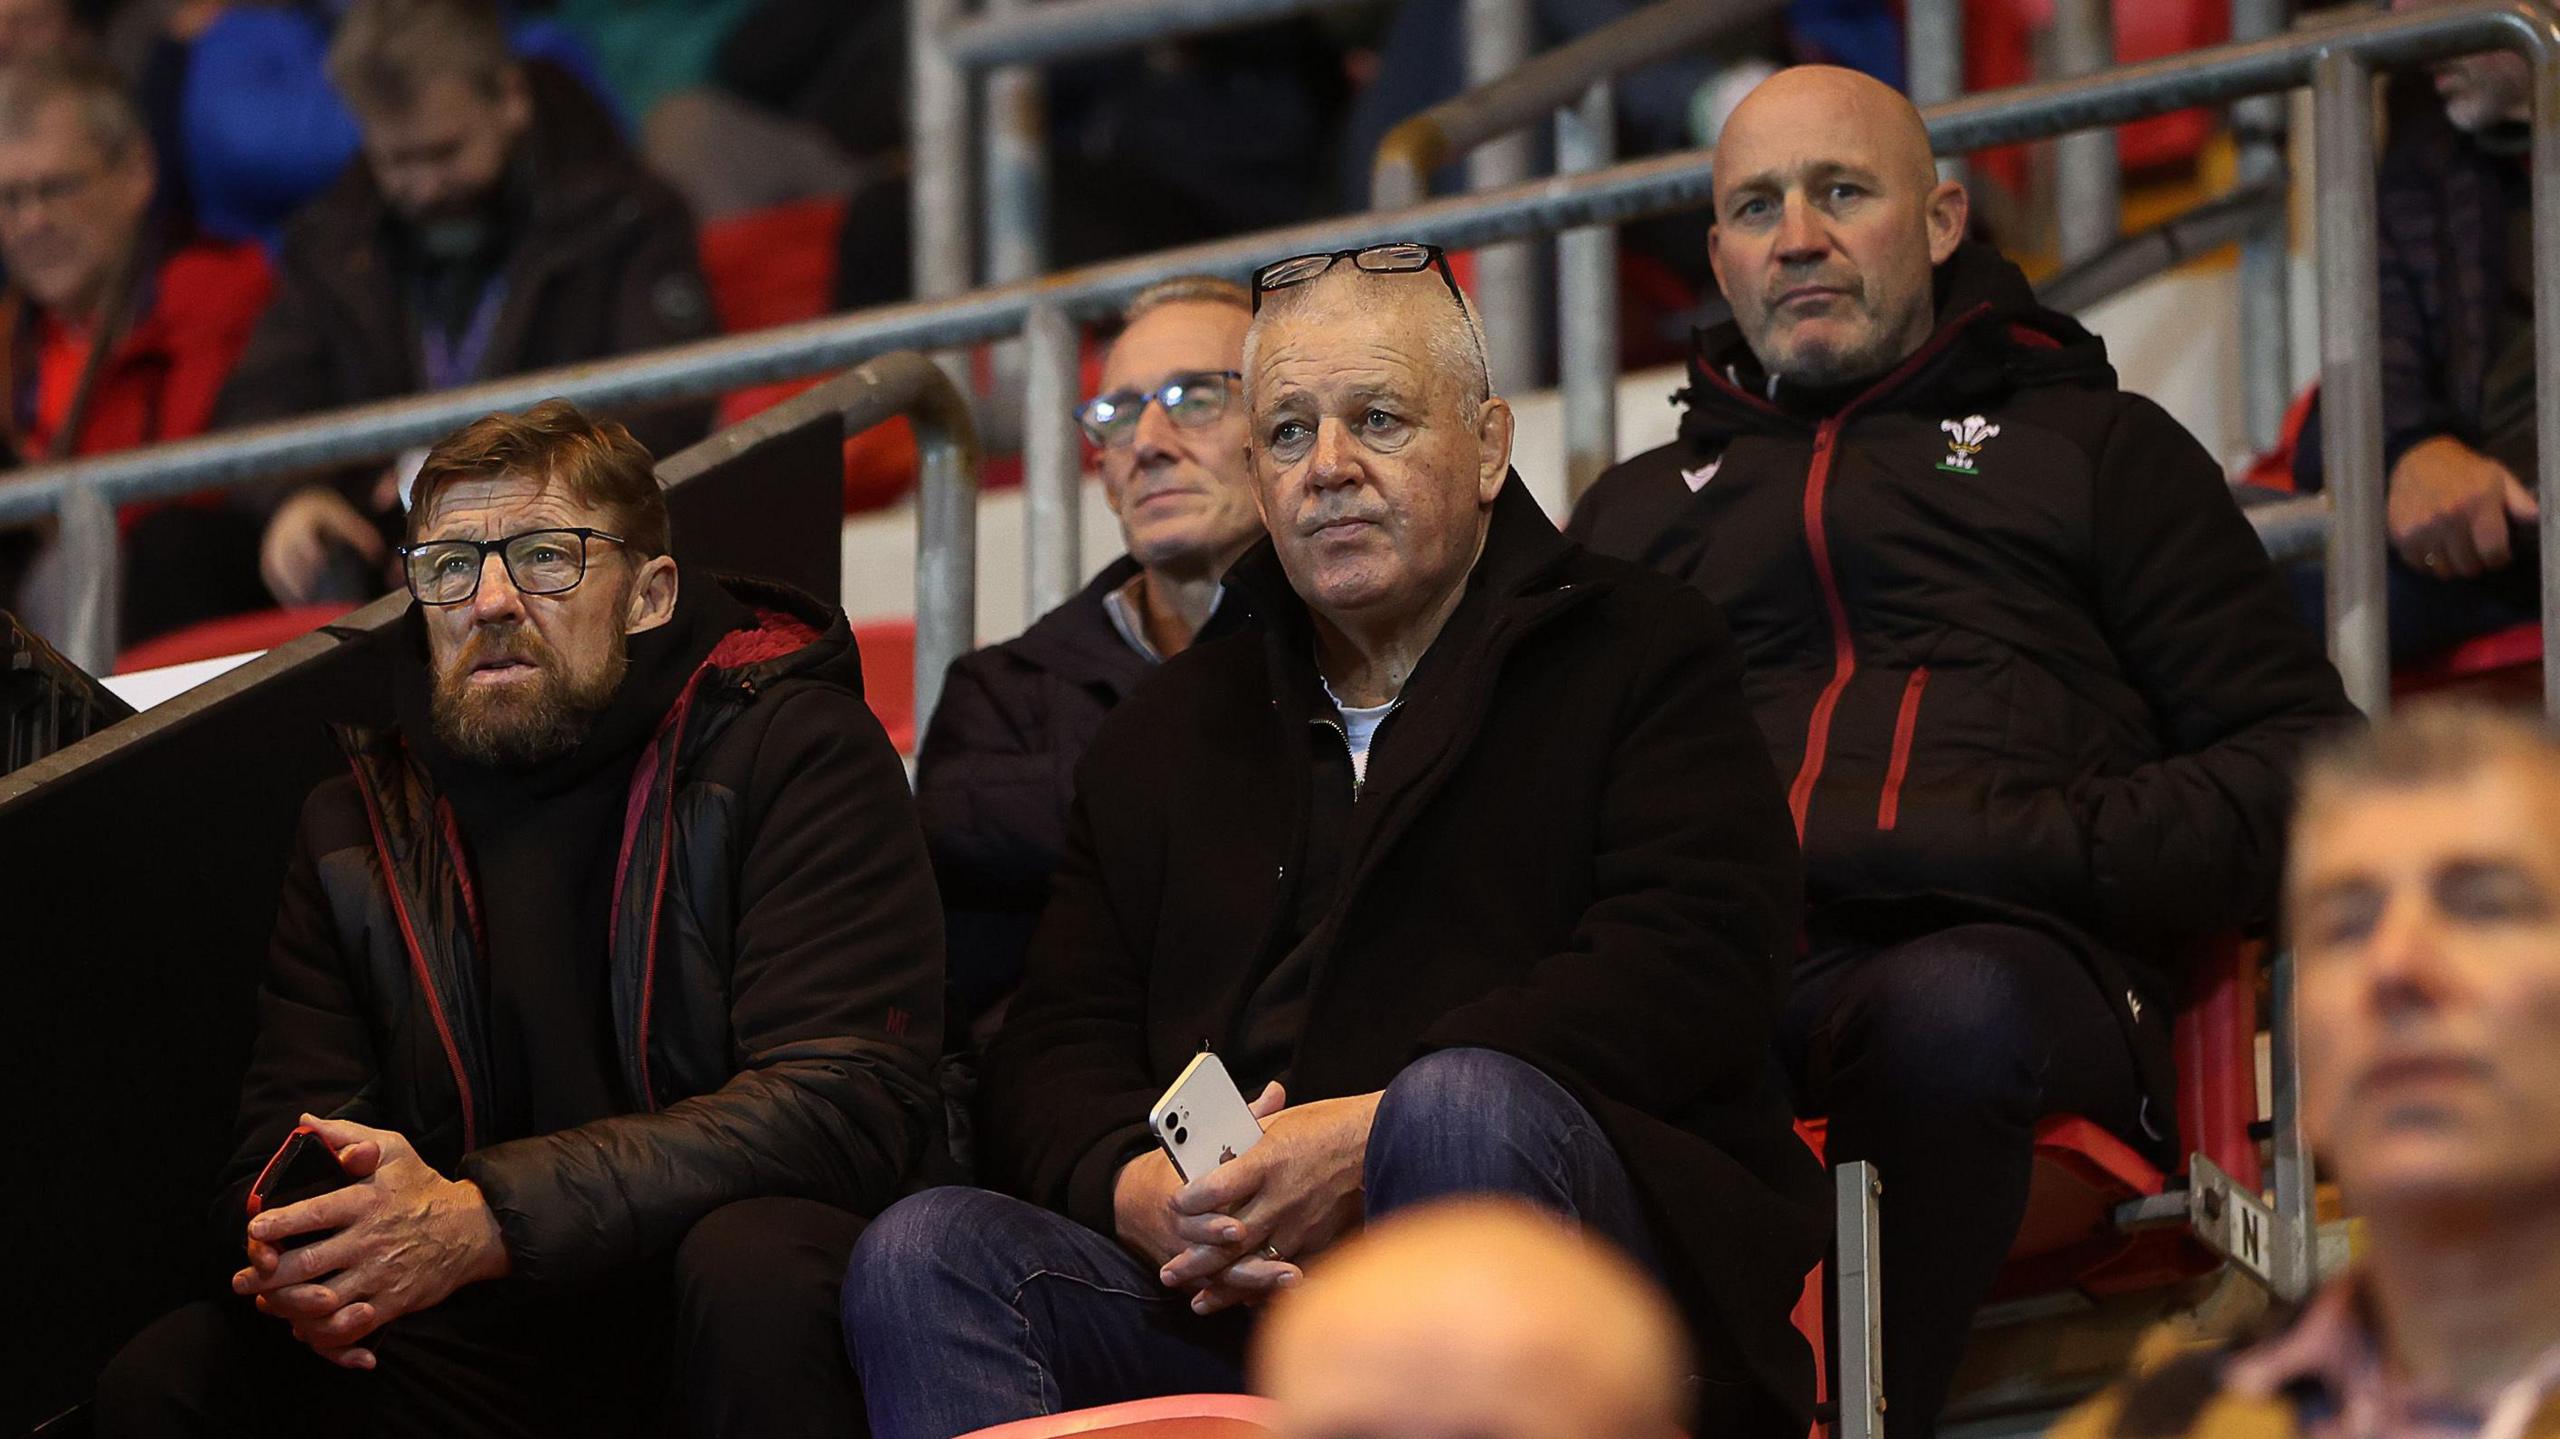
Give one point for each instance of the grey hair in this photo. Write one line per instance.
(386, 50)
(1454, 340)
(107, 112)
(1188, 290)
(2426, 744)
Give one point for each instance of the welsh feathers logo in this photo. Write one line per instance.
(1965, 439)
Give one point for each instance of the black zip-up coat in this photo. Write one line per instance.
(602, 262)
(2053, 675)
(775, 969)
(997, 770)
(1570, 848)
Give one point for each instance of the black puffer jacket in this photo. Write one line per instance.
(775, 959)
(2014, 648)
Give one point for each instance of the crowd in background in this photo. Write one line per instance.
(260, 233)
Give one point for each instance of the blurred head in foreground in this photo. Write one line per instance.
(1477, 1319)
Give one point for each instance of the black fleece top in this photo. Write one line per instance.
(541, 843)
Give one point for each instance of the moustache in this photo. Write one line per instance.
(1315, 520)
(1849, 287)
(499, 644)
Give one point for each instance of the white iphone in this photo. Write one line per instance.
(1202, 1121)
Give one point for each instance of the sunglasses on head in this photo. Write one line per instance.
(1401, 257)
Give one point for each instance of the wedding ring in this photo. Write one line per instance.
(1273, 1254)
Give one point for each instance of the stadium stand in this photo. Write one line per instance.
(163, 919)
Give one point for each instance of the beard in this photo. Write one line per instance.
(528, 721)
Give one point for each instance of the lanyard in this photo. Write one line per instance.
(449, 363)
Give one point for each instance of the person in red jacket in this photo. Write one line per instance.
(118, 333)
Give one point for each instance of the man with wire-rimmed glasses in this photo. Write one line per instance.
(997, 766)
(610, 981)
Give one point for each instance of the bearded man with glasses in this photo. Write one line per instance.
(997, 766)
(611, 980)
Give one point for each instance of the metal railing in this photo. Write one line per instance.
(2089, 185)
(84, 492)
(1572, 83)
(950, 52)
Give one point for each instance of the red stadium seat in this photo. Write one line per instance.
(1182, 1416)
(2070, 1239)
(888, 649)
(1999, 51)
(229, 635)
(2503, 667)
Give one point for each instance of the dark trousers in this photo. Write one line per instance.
(964, 1308)
(737, 1336)
(1934, 1059)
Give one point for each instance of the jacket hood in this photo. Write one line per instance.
(1992, 339)
(792, 635)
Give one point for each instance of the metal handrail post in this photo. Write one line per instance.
(2351, 378)
(2162, 248)
(1587, 301)
(1933, 59)
(946, 535)
(938, 144)
(1498, 40)
(2294, 1263)
(1858, 1299)
(1015, 186)
(92, 572)
(1400, 170)
(2546, 339)
(2089, 183)
(2266, 270)
(1052, 466)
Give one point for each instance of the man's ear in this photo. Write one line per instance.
(1493, 448)
(515, 100)
(1949, 210)
(653, 596)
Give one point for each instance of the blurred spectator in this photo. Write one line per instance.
(37, 30)
(250, 116)
(997, 767)
(2423, 900)
(1190, 140)
(2456, 250)
(1475, 1319)
(843, 69)
(118, 332)
(495, 224)
(2034, 766)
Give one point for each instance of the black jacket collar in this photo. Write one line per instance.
(1077, 641)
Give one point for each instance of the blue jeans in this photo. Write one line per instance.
(964, 1308)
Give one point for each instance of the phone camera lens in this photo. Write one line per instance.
(1181, 1135)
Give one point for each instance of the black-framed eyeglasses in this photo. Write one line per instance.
(1402, 257)
(1190, 401)
(539, 562)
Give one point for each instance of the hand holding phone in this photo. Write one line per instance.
(303, 1167)
(1202, 1120)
